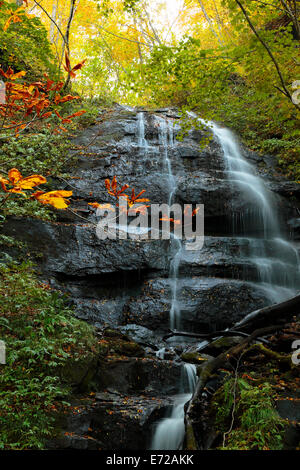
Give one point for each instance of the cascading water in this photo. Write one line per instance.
(142, 142)
(166, 139)
(276, 260)
(170, 431)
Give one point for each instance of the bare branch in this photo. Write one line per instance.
(265, 45)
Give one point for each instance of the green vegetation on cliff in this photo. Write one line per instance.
(42, 337)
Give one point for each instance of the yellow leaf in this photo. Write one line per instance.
(31, 181)
(53, 198)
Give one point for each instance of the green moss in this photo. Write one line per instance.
(193, 357)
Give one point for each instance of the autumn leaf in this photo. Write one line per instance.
(19, 183)
(46, 115)
(136, 198)
(10, 75)
(31, 181)
(3, 183)
(195, 211)
(69, 118)
(71, 70)
(14, 17)
(63, 99)
(96, 205)
(56, 199)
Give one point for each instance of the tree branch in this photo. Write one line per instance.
(265, 45)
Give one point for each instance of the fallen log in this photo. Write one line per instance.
(270, 315)
(257, 319)
(213, 335)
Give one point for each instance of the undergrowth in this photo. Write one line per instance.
(41, 335)
(251, 414)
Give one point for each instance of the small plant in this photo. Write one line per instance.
(256, 423)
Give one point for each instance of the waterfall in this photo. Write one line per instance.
(166, 140)
(170, 431)
(142, 142)
(276, 260)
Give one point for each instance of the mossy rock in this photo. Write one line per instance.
(79, 373)
(222, 344)
(194, 357)
(127, 348)
(116, 137)
(126, 114)
(111, 333)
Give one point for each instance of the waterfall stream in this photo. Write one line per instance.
(166, 140)
(275, 259)
(170, 431)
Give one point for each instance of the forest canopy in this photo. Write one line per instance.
(230, 60)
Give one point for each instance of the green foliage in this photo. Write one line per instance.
(35, 153)
(235, 83)
(257, 425)
(25, 46)
(41, 336)
(42, 153)
(92, 108)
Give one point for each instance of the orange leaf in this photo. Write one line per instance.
(68, 118)
(56, 199)
(46, 115)
(14, 176)
(79, 66)
(31, 181)
(142, 200)
(101, 206)
(3, 183)
(114, 184)
(107, 184)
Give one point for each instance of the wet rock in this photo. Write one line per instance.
(100, 422)
(113, 342)
(206, 304)
(139, 375)
(79, 373)
(142, 335)
(294, 225)
(75, 250)
(289, 409)
(292, 437)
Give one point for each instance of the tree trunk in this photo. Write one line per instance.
(67, 38)
(52, 25)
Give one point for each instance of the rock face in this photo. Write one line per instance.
(125, 284)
